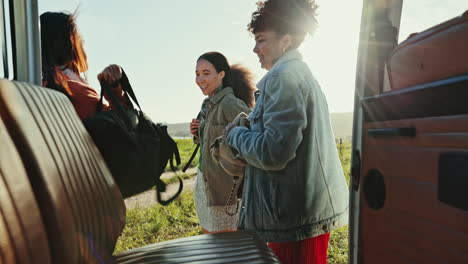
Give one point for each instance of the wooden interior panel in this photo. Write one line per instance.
(23, 238)
(83, 211)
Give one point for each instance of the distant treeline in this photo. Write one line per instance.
(342, 124)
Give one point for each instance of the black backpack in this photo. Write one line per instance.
(135, 149)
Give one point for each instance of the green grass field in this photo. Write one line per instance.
(146, 225)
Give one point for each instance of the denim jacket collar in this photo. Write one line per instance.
(287, 56)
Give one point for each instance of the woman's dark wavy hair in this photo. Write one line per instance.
(294, 17)
(238, 77)
(61, 45)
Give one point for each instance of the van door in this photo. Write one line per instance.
(409, 200)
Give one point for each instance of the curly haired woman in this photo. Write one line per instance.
(295, 192)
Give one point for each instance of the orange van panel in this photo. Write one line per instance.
(403, 218)
(434, 54)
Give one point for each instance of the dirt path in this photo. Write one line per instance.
(149, 197)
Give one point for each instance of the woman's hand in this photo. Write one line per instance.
(111, 76)
(240, 120)
(194, 125)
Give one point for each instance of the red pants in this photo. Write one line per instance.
(308, 251)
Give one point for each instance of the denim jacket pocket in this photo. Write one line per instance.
(268, 203)
(256, 119)
(258, 109)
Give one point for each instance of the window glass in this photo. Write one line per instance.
(6, 55)
(419, 15)
(2, 42)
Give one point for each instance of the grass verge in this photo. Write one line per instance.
(147, 225)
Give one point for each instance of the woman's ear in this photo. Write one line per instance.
(286, 42)
(221, 74)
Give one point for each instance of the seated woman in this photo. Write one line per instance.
(64, 64)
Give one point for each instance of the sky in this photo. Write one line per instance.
(157, 43)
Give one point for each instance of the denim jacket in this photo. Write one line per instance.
(294, 184)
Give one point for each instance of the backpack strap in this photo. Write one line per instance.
(128, 88)
(168, 201)
(191, 158)
(160, 185)
(199, 116)
(174, 154)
